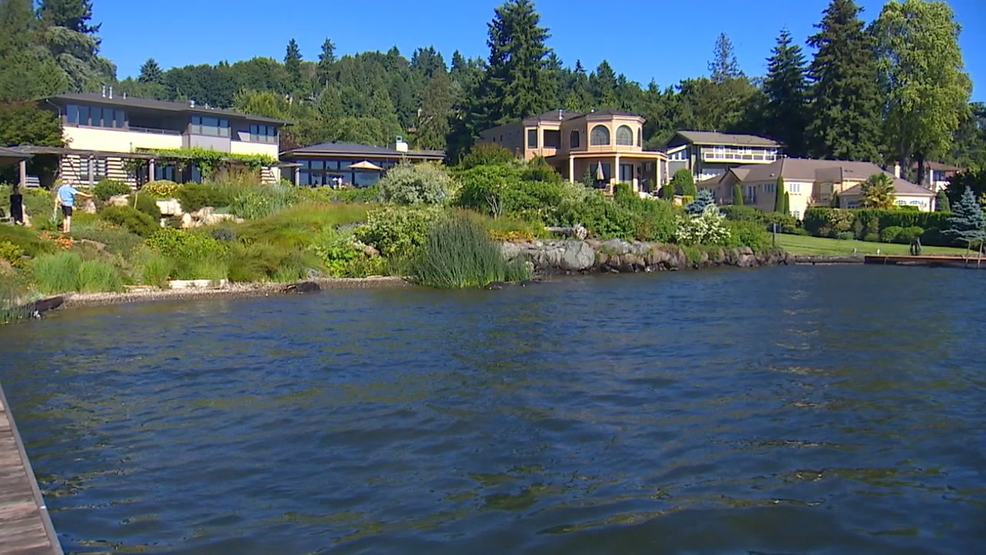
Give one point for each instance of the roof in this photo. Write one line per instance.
(902, 187)
(939, 167)
(363, 151)
(715, 138)
(132, 102)
(553, 115)
(836, 171)
(9, 154)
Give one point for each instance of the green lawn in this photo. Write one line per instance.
(800, 244)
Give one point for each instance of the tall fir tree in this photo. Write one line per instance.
(602, 85)
(518, 82)
(434, 124)
(27, 68)
(784, 115)
(71, 14)
(578, 97)
(923, 69)
(292, 63)
(847, 100)
(724, 65)
(779, 193)
(150, 72)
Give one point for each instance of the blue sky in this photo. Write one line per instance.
(663, 40)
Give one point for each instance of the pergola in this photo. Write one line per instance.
(9, 157)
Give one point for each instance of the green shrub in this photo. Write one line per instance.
(417, 184)
(486, 154)
(148, 205)
(224, 234)
(298, 225)
(161, 188)
(745, 214)
(501, 190)
(397, 232)
(116, 239)
(872, 238)
(153, 268)
(538, 169)
(909, 234)
(96, 276)
(131, 219)
(845, 236)
(459, 253)
(107, 188)
(683, 183)
(11, 253)
(603, 218)
(819, 221)
(262, 202)
(708, 228)
(890, 234)
(265, 262)
(194, 196)
(622, 191)
(343, 256)
(746, 233)
(195, 255)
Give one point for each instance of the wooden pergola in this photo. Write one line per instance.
(8, 157)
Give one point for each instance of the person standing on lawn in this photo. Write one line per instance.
(66, 199)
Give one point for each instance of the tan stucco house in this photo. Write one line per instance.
(605, 142)
(810, 183)
(709, 154)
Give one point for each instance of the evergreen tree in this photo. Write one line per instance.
(724, 65)
(969, 146)
(845, 119)
(928, 89)
(737, 195)
(292, 64)
(427, 62)
(602, 86)
(779, 196)
(703, 200)
(434, 125)
(784, 115)
(578, 97)
(941, 202)
(517, 83)
(323, 71)
(27, 68)
(967, 223)
(787, 204)
(71, 14)
(683, 183)
(150, 72)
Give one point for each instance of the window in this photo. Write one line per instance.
(532, 138)
(900, 202)
(72, 114)
(552, 139)
(796, 214)
(209, 126)
(599, 136)
(640, 136)
(573, 140)
(794, 188)
(624, 136)
(263, 133)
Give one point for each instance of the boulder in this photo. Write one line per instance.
(170, 207)
(187, 221)
(118, 200)
(577, 257)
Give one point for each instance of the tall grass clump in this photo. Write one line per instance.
(459, 253)
(56, 273)
(96, 276)
(12, 306)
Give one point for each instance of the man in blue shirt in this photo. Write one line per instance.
(66, 199)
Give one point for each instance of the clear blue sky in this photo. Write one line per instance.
(663, 40)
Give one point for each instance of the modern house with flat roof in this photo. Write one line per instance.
(810, 183)
(349, 163)
(605, 144)
(709, 154)
(106, 134)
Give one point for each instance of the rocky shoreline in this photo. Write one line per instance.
(620, 256)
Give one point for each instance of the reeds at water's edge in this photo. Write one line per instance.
(459, 253)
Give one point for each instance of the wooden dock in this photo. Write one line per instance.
(932, 261)
(25, 527)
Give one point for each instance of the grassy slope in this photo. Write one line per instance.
(798, 244)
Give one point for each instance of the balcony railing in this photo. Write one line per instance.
(136, 129)
(709, 155)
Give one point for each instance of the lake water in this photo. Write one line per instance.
(786, 410)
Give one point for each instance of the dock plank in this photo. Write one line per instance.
(25, 527)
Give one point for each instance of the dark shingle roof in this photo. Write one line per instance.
(9, 154)
(715, 138)
(358, 150)
(159, 105)
(901, 187)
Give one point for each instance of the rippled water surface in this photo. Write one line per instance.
(790, 410)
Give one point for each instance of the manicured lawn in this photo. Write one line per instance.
(799, 244)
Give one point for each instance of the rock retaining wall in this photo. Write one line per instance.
(619, 256)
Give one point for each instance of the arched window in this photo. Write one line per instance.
(599, 136)
(574, 140)
(624, 136)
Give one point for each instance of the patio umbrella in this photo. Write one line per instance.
(600, 176)
(366, 165)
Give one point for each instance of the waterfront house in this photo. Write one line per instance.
(607, 145)
(115, 137)
(709, 154)
(810, 183)
(936, 175)
(349, 164)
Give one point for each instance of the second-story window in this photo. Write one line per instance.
(574, 140)
(599, 136)
(94, 116)
(263, 133)
(624, 136)
(208, 125)
(532, 138)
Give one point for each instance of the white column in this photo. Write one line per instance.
(92, 170)
(616, 171)
(571, 169)
(22, 165)
(150, 170)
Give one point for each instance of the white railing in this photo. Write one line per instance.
(136, 129)
(709, 155)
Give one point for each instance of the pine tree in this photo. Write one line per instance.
(737, 195)
(683, 181)
(602, 86)
(326, 59)
(779, 196)
(436, 108)
(518, 83)
(845, 119)
(941, 202)
(787, 204)
(292, 64)
(27, 69)
(703, 200)
(724, 65)
(967, 223)
(71, 14)
(785, 112)
(578, 97)
(150, 72)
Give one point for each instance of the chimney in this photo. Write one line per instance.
(561, 114)
(124, 95)
(111, 93)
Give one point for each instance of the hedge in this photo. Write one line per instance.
(867, 223)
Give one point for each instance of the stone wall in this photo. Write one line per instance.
(619, 256)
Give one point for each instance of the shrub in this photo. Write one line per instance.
(654, 220)
(132, 219)
(909, 234)
(744, 214)
(603, 218)
(148, 205)
(703, 200)
(265, 261)
(344, 256)
(872, 237)
(500, 190)
(116, 240)
(96, 276)
(845, 236)
(708, 228)
(296, 226)
(194, 196)
(195, 255)
(161, 188)
(890, 234)
(56, 273)
(458, 253)
(622, 191)
(153, 268)
(396, 232)
(417, 184)
(11, 253)
(262, 202)
(748, 234)
(737, 195)
(345, 194)
(223, 234)
(107, 188)
(538, 169)
(683, 183)
(486, 154)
